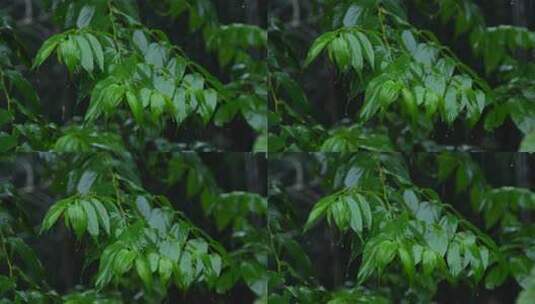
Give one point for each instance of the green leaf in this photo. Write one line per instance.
(261, 144)
(528, 294)
(165, 85)
(318, 211)
(253, 276)
(366, 210)
(157, 104)
(105, 270)
(54, 213)
(77, 219)
(46, 49)
(386, 252)
(317, 47)
(170, 249)
(372, 102)
(181, 108)
(340, 212)
(207, 106)
(523, 113)
(140, 41)
(123, 261)
(86, 14)
(451, 106)
(353, 176)
(185, 270)
(367, 49)
(352, 15)
(26, 89)
(96, 47)
(407, 261)
(145, 96)
(103, 215)
(339, 52)
(216, 264)
(86, 181)
(7, 142)
(155, 55)
(92, 219)
(135, 106)
(408, 41)
(437, 239)
(86, 55)
(5, 117)
(389, 92)
(165, 270)
(69, 53)
(454, 260)
(158, 220)
(143, 207)
(143, 270)
(528, 143)
(112, 96)
(154, 260)
(355, 51)
(410, 104)
(446, 165)
(429, 261)
(355, 214)
(496, 276)
(432, 102)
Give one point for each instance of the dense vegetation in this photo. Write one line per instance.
(112, 91)
(99, 228)
(390, 75)
(132, 82)
(383, 228)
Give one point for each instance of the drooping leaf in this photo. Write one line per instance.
(208, 105)
(355, 51)
(123, 261)
(454, 259)
(366, 210)
(165, 269)
(352, 15)
(135, 106)
(103, 215)
(92, 218)
(46, 49)
(318, 211)
(96, 47)
(85, 16)
(86, 55)
(408, 41)
(367, 49)
(86, 181)
(407, 261)
(54, 213)
(77, 219)
(143, 270)
(355, 214)
(140, 41)
(317, 47)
